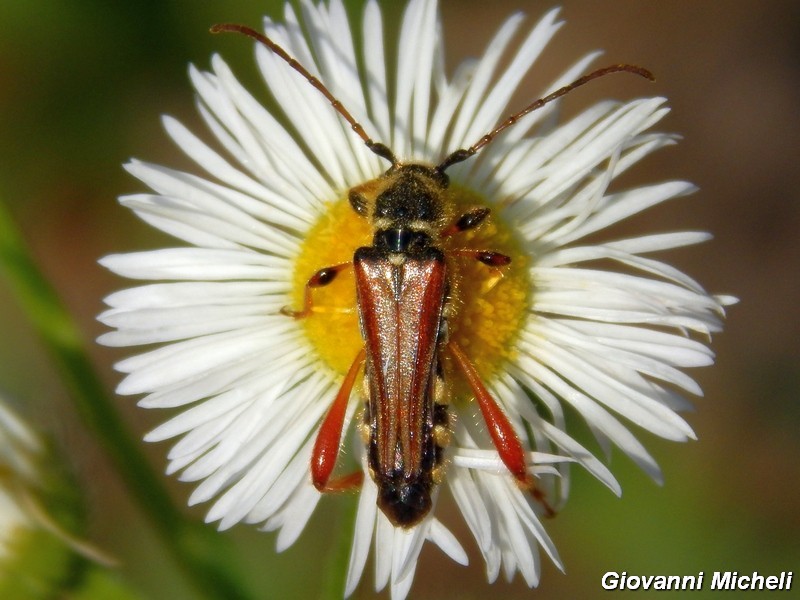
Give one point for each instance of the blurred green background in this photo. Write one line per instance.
(82, 86)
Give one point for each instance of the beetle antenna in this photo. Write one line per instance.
(380, 149)
(464, 153)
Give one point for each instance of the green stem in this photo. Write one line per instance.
(203, 554)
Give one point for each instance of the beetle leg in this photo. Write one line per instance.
(345, 483)
(487, 257)
(494, 260)
(500, 429)
(319, 279)
(326, 447)
(469, 220)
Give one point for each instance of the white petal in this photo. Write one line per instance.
(302, 505)
(408, 56)
(443, 538)
(495, 102)
(365, 524)
(480, 81)
(192, 293)
(375, 64)
(182, 361)
(473, 509)
(197, 264)
(287, 178)
(617, 207)
(594, 415)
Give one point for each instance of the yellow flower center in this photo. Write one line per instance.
(488, 304)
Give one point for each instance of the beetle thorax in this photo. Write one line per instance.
(406, 206)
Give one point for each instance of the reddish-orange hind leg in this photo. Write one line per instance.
(502, 432)
(326, 447)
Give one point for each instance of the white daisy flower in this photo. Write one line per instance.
(552, 329)
(19, 450)
(37, 548)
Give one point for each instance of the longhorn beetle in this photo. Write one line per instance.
(402, 291)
